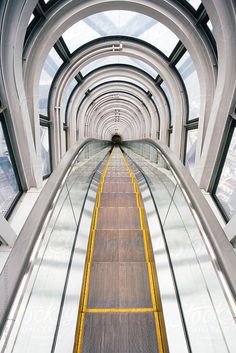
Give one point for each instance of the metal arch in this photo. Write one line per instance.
(110, 113)
(132, 123)
(106, 73)
(111, 125)
(173, 15)
(222, 16)
(116, 89)
(107, 134)
(160, 64)
(125, 109)
(147, 103)
(21, 101)
(176, 17)
(132, 102)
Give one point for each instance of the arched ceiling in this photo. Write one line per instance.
(142, 39)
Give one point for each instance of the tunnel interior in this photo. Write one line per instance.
(116, 139)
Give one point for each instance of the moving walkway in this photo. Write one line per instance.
(120, 309)
(122, 263)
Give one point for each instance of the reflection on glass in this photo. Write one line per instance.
(169, 98)
(50, 68)
(171, 139)
(226, 189)
(118, 59)
(45, 150)
(189, 75)
(195, 3)
(209, 24)
(31, 18)
(190, 152)
(9, 188)
(119, 78)
(127, 23)
(66, 94)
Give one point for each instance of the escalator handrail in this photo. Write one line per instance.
(225, 255)
(18, 260)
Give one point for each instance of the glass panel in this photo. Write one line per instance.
(9, 188)
(171, 139)
(195, 3)
(31, 18)
(169, 98)
(209, 24)
(66, 94)
(45, 150)
(119, 78)
(118, 59)
(50, 68)
(226, 189)
(189, 75)
(161, 37)
(190, 152)
(127, 23)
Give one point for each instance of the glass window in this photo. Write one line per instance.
(118, 59)
(189, 75)
(45, 150)
(190, 152)
(31, 18)
(171, 139)
(169, 98)
(161, 37)
(209, 24)
(194, 3)
(50, 67)
(66, 94)
(9, 188)
(226, 188)
(119, 22)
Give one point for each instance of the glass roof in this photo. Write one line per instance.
(119, 22)
(49, 70)
(119, 59)
(195, 3)
(189, 75)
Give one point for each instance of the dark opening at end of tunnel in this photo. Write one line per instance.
(116, 139)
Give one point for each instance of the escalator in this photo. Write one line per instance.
(90, 285)
(119, 309)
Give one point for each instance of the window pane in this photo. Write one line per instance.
(50, 68)
(189, 75)
(31, 18)
(190, 152)
(127, 23)
(118, 59)
(45, 150)
(226, 189)
(161, 37)
(195, 3)
(9, 188)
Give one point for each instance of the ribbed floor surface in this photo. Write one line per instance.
(119, 276)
